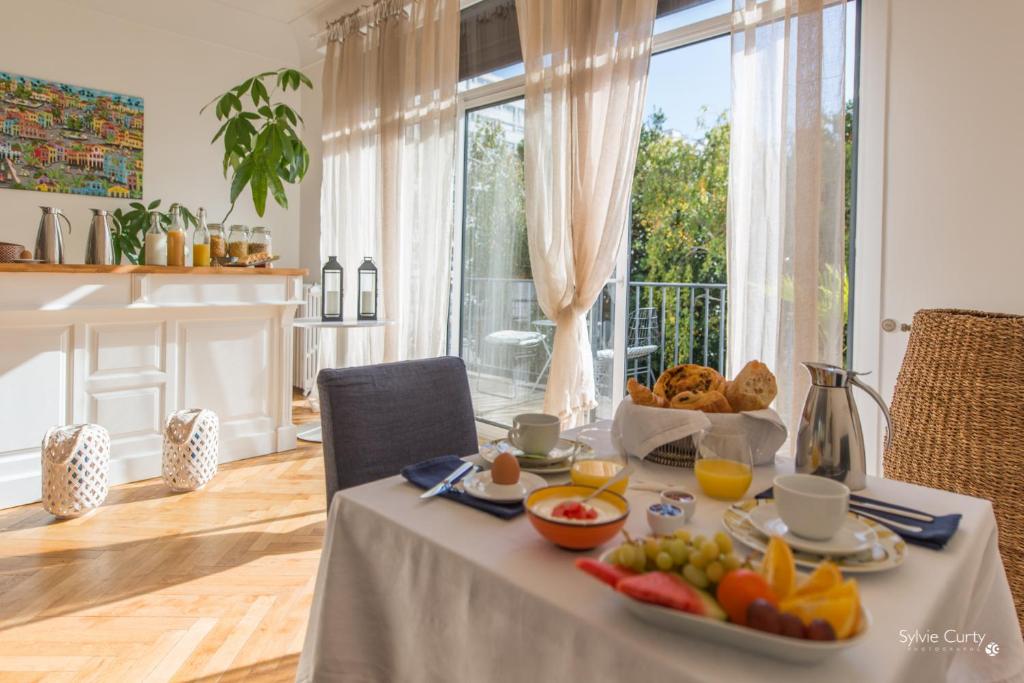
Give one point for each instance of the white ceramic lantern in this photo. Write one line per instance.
(190, 449)
(76, 469)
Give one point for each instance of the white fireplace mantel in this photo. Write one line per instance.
(123, 346)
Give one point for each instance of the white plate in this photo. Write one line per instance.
(558, 461)
(888, 552)
(479, 485)
(725, 633)
(854, 536)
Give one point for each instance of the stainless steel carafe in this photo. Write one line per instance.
(830, 441)
(49, 243)
(99, 249)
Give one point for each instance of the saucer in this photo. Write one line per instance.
(555, 462)
(853, 536)
(479, 485)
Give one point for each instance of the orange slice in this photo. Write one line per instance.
(839, 606)
(825, 577)
(779, 568)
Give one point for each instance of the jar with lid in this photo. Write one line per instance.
(259, 240)
(238, 241)
(218, 242)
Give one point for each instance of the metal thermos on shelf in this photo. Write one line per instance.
(49, 241)
(99, 249)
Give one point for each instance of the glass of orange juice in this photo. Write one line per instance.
(724, 465)
(596, 460)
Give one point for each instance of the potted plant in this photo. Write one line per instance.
(262, 150)
(130, 226)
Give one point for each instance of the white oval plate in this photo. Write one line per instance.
(480, 485)
(854, 536)
(888, 552)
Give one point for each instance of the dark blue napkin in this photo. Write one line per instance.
(429, 472)
(934, 535)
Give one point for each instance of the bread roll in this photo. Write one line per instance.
(754, 388)
(705, 401)
(689, 377)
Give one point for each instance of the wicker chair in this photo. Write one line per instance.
(958, 422)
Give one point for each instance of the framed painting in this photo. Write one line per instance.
(56, 137)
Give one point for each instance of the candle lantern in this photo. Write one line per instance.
(331, 290)
(367, 290)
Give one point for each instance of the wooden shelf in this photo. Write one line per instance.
(78, 268)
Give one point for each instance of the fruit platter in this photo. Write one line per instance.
(700, 587)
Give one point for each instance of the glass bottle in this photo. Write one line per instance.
(218, 242)
(176, 239)
(238, 241)
(201, 241)
(156, 242)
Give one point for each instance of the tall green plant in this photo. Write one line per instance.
(130, 227)
(261, 147)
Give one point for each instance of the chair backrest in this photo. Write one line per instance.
(379, 418)
(643, 327)
(957, 419)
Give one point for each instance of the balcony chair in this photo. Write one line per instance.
(379, 418)
(641, 343)
(518, 345)
(957, 419)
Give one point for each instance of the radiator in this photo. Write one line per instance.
(304, 363)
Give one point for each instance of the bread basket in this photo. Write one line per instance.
(10, 251)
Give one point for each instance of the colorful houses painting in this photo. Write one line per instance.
(63, 138)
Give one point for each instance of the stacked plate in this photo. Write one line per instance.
(861, 545)
(558, 461)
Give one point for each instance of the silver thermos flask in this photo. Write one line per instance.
(99, 249)
(49, 243)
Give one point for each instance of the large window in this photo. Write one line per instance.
(671, 292)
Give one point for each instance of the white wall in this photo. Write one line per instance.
(175, 73)
(309, 200)
(939, 221)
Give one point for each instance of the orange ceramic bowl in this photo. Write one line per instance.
(576, 536)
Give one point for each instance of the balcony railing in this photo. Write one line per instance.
(690, 321)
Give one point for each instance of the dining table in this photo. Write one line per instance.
(431, 590)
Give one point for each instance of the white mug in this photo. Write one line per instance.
(811, 506)
(535, 433)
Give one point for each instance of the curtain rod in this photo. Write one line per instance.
(359, 19)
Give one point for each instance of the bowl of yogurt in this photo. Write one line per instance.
(560, 515)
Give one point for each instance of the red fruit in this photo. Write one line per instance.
(819, 629)
(602, 571)
(738, 589)
(791, 626)
(661, 588)
(574, 510)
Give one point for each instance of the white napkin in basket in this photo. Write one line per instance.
(638, 430)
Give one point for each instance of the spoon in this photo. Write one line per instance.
(623, 473)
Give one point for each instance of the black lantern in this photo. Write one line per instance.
(367, 290)
(331, 290)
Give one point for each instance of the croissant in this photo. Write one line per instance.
(642, 396)
(706, 401)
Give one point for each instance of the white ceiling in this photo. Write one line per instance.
(283, 11)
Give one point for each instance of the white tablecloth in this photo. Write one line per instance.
(411, 590)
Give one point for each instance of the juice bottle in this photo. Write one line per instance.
(156, 242)
(201, 241)
(175, 239)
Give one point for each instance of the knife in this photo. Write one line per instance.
(447, 482)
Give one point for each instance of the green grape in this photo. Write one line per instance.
(731, 562)
(613, 556)
(715, 571)
(626, 554)
(665, 543)
(664, 561)
(640, 561)
(724, 542)
(709, 550)
(679, 552)
(682, 534)
(698, 560)
(696, 576)
(699, 540)
(652, 548)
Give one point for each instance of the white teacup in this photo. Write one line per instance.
(535, 432)
(811, 506)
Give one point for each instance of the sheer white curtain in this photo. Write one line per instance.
(786, 178)
(586, 75)
(389, 122)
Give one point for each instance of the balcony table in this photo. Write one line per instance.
(429, 590)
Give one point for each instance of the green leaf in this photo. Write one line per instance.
(220, 131)
(242, 175)
(259, 190)
(277, 188)
(305, 80)
(259, 92)
(153, 204)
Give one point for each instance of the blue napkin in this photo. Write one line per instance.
(429, 472)
(934, 535)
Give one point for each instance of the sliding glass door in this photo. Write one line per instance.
(504, 336)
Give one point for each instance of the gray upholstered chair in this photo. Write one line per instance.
(379, 418)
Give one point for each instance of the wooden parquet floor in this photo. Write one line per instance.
(213, 585)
